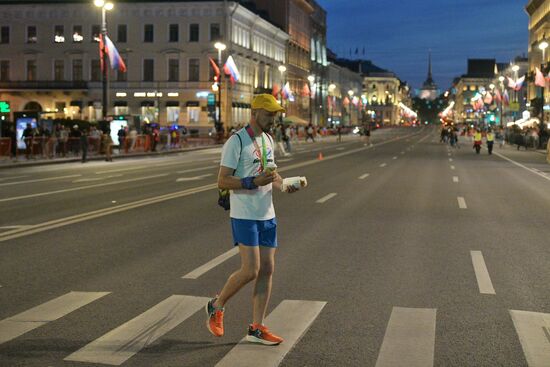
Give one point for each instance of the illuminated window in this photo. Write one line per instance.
(59, 34)
(77, 34)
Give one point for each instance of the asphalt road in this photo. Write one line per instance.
(406, 253)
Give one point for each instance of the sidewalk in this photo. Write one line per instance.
(23, 162)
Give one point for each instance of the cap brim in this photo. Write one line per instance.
(275, 109)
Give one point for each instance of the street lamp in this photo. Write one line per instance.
(105, 6)
(220, 47)
(311, 79)
(350, 94)
(542, 46)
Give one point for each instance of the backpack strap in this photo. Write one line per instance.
(241, 143)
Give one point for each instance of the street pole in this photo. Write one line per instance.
(105, 70)
(219, 127)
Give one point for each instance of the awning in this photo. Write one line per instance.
(76, 104)
(192, 103)
(120, 103)
(172, 104)
(147, 104)
(292, 119)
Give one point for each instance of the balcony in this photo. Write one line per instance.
(43, 85)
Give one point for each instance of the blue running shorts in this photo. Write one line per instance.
(254, 232)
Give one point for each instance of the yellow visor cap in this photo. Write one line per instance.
(266, 102)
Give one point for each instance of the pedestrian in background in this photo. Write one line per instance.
(84, 145)
(107, 145)
(28, 136)
(309, 133)
(245, 170)
(490, 139)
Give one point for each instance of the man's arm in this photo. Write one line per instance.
(226, 180)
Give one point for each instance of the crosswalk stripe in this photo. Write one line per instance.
(533, 329)
(482, 274)
(291, 319)
(410, 338)
(118, 345)
(326, 198)
(455, 178)
(461, 202)
(211, 264)
(362, 177)
(26, 321)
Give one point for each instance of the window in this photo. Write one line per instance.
(77, 34)
(59, 34)
(214, 31)
(148, 35)
(31, 34)
(122, 34)
(173, 70)
(193, 114)
(60, 106)
(194, 33)
(96, 31)
(95, 68)
(5, 35)
(58, 70)
(194, 70)
(4, 70)
(77, 70)
(148, 70)
(31, 70)
(120, 76)
(174, 33)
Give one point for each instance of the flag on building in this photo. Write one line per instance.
(539, 78)
(505, 98)
(306, 92)
(276, 90)
(346, 101)
(114, 57)
(488, 98)
(498, 97)
(516, 84)
(230, 68)
(214, 67)
(287, 93)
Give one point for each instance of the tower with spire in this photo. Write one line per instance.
(429, 89)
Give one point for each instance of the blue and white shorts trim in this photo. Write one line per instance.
(249, 232)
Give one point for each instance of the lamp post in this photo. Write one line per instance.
(219, 125)
(105, 6)
(501, 80)
(311, 79)
(282, 70)
(515, 68)
(542, 46)
(350, 94)
(331, 88)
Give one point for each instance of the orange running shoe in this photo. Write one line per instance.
(261, 334)
(214, 321)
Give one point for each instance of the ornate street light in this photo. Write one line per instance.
(105, 6)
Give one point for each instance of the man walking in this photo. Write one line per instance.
(490, 137)
(245, 170)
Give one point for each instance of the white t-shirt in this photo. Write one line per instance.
(249, 204)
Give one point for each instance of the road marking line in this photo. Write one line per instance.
(326, 198)
(461, 203)
(291, 319)
(341, 148)
(452, 167)
(532, 329)
(450, 159)
(482, 274)
(17, 325)
(196, 178)
(38, 180)
(61, 222)
(455, 178)
(211, 264)
(16, 227)
(383, 165)
(410, 338)
(522, 166)
(81, 188)
(198, 169)
(362, 177)
(12, 178)
(120, 344)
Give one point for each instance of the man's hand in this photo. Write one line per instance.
(291, 189)
(265, 178)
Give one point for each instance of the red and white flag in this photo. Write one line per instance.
(488, 98)
(539, 78)
(506, 98)
(498, 97)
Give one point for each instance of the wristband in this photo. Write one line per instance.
(248, 183)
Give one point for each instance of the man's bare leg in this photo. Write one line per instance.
(262, 286)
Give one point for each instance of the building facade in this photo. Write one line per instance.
(50, 59)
